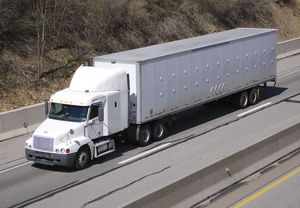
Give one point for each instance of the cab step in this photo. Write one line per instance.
(104, 147)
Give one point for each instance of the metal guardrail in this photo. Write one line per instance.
(11, 122)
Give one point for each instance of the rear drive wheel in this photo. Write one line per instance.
(145, 135)
(82, 158)
(159, 131)
(253, 96)
(242, 100)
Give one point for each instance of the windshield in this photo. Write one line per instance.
(68, 112)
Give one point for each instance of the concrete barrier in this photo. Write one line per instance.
(11, 122)
(288, 46)
(198, 186)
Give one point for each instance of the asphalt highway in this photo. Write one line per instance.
(23, 184)
(283, 192)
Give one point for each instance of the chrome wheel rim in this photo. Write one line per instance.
(159, 131)
(145, 135)
(254, 97)
(82, 159)
(244, 100)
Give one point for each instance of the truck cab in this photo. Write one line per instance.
(82, 119)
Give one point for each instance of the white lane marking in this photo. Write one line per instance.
(145, 153)
(254, 109)
(287, 74)
(18, 166)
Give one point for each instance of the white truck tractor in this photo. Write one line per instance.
(134, 93)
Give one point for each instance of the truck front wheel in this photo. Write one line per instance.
(82, 158)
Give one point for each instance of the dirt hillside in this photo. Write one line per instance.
(42, 42)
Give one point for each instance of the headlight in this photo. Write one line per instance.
(62, 151)
(27, 145)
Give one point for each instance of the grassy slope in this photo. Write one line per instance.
(77, 30)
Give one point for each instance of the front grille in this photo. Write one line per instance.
(43, 143)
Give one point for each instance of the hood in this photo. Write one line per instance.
(58, 129)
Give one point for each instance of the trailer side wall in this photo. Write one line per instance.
(175, 82)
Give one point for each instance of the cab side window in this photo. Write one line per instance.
(94, 111)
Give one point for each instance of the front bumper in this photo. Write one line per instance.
(66, 160)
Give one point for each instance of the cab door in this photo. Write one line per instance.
(94, 128)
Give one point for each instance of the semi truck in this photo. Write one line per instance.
(135, 94)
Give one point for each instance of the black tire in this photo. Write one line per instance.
(241, 100)
(159, 131)
(83, 158)
(253, 96)
(145, 135)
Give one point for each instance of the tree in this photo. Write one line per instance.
(41, 7)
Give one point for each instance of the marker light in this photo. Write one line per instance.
(62, 151)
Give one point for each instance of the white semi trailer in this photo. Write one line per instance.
(134, 93)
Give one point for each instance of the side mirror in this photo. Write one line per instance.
(46, 108)
(100, 112)
(71, 131)
(25, 125)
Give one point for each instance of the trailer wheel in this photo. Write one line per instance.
(159, 131)
(242, 100)
(82, 158)
(253, 96)
(145, 135)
